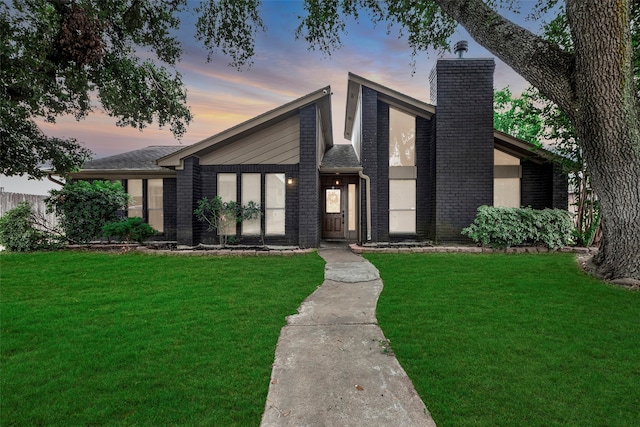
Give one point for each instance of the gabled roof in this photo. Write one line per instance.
(385, 94)
(140, 162)
(322, 97)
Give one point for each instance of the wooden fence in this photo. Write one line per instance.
(9, 201)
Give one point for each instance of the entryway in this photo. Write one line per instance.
(339, 206)
(333, 217)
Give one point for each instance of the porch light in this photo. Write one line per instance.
(337, 181)
(290, 181)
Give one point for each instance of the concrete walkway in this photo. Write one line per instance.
(331, 367)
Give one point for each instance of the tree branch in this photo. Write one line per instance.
(542, 63)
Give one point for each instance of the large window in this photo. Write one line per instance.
(251, 191)
(275, 204)
(227, 192)
(402, 172)
(402, 206)
(155, 210)
(146, 201)
(402, 138)
(136, 201)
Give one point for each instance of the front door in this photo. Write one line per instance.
(333, 215)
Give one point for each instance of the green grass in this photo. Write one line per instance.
(512, 340)
(104, 339)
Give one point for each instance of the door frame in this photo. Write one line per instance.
(342, 181)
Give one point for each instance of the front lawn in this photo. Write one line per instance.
(105, 339)
(512, 340)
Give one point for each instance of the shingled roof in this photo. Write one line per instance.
(143, 159)
(340, 157)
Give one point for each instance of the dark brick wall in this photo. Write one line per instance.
(169, 207)
(464, 144)
(432, 181)
(424, 179)
(560, 189)
(543, 186)
(309, 223)
(536, 185)
(369, 159)
(188, 192)
(382, 192)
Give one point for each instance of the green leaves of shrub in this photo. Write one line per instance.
(18, 231)
(129, 229)
(506, 227)
(84, 207)
(222, 216)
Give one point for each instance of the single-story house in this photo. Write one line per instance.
(413, 170)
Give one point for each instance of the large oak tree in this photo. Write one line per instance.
(74, 48)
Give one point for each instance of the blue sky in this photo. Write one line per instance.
(283, 69)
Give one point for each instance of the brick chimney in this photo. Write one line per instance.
(463, 142)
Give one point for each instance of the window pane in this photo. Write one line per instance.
(134, 189)
(275, 190)
(506, 192)
(402, 221)
(332, 200)
(227, 187)
(402, 194)
(156, 219)
(402, 138)
(275, 203)
(274, 221)
(352, 207)
(154, 193)
(251, 193)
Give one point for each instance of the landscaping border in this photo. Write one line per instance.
(388, 249)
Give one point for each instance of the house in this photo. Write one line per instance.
(413, 171)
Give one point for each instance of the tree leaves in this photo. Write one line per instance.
(231, 26)
(60, 53)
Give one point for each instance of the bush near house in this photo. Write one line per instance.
(84, 207)
(506, 227)
(222, 217)
(129, 229)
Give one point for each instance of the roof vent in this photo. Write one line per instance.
(460, 48)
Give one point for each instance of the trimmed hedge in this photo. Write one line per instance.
(506, 227)
(133, 228)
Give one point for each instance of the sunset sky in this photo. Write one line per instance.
(283, 69)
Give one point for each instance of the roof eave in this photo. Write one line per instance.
(388, 95)
(340, 170)
(251, 125)
(123, 173)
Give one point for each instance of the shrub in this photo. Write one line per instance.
(133, 228)
(506, 227)
(84, 207)
(19, 232)
(223, 216)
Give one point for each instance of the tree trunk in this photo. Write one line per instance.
(595, 88)
(608, 126)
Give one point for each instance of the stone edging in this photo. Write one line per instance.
(226, 252)
(355, 248)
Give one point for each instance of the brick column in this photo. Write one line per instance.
(309, 223)
(188, 193)
(464, 144)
